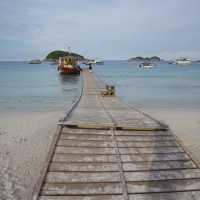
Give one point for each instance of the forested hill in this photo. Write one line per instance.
(54, 55)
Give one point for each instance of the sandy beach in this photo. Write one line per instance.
(25, 139)
(24, 143)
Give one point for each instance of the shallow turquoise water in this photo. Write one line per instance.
(40, 87)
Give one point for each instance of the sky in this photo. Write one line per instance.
(107, 29)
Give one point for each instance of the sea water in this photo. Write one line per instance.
(40, 87)
(164, 86)
(35, 87)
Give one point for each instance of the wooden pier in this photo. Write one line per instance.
(105, 150)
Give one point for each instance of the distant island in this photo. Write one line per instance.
(142, 59)
(54, 55)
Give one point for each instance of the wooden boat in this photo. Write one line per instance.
(68, 65)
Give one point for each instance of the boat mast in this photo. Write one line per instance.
(69, 50)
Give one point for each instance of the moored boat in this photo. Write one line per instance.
(95, 61)
(183, 61)
(68, 65)
(146, 65)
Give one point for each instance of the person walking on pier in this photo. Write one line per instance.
(90, 67)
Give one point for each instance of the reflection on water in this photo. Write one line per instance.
(69, 78)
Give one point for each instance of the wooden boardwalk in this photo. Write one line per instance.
(105, 150)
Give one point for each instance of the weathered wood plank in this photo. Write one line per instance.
(82, 188)
(162, 175)
(76, 143)
(148, 144)
(86, 131)
(82, 166)
(84, 158)
(88, 125)
(85, 150)
(86, 137)
(142, 133)
(83, 197)
(148, 166)
(70, 177)
(154, 157)
(151, 150)
(187, 195)
(143, 139)
(164, 186)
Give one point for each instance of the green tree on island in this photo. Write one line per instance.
(54, 55)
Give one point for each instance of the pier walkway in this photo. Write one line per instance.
(105, 150)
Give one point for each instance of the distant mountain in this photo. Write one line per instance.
(142, 59)
(54, 55)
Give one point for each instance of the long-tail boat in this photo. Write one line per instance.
(68, 65)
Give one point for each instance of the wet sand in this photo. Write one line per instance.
(24, 143)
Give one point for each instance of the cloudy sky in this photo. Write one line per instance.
(108, 29)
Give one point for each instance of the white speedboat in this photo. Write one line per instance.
(183, 61)
(146, 65)
(95, 61)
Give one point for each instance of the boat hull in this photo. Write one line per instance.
(183, 62)
(146, 66)
(63, 69)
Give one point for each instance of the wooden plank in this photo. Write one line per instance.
(148, 144)
(70, 177)
(83, 197)
(88, 167)
(73, 143)
(102, 126)
(142, 133)
(150, 150)
(86, 137)
(154, 157)
(82, 188)
(84, 158)
(158, 165)
(147, 138)
(84, 150)
(86, 131)
(162, 175)
(139, 128)
(164, 186)
(187, 195)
